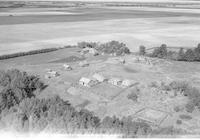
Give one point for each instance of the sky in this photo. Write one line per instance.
(106, 0)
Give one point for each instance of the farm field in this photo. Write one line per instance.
(35, 28)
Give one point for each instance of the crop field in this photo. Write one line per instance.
(24, 29)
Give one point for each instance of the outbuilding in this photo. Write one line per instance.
(53, 73)
(67, 67)
(115, 81)
(127, 83)
(89, 50)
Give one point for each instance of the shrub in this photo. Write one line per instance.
(190, 107)
(179, 122)
(185, 117)
(134, 95)
(177, 109)
(179, 85)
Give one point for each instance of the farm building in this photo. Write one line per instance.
(86, 82)
(127, 83)
(115, 81)
(99, 77)
(67, 67)
(84, 64)
(53, 73)
(89, 50)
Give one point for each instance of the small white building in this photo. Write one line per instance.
(127, 83)
(86, 82)
(89, 50)
(53, 73)
(115, 81)
(67, 67)
(99, 77)
(84, 64)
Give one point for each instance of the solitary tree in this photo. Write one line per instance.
(142, 50)
(181, 54)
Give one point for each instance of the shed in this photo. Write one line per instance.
(127, 83)
(114, 81)
(53, 73)
(67, 67)
(99, 77)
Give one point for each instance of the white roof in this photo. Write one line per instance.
(66, 65)
(85, 80)
(115, 79)
(127, 82)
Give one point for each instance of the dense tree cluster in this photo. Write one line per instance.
(160, 52)
(181, 55)
(108, 47)
(16, 87)
(33, 52)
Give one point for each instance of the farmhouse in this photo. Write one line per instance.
(67, 67)
(87, 82)
(115, 81)
(99, 77)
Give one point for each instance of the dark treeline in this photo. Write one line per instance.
(21, 110)
(108, 48)
(8, 56)
(192, 54)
